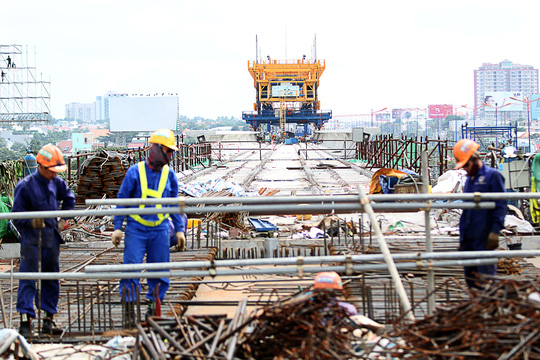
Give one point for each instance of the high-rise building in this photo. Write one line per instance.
(78, 111)
(102, 104)
(494, 84)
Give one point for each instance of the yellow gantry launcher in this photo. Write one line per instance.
(286, 92)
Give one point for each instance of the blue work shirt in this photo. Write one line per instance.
(475, 225)
(36, 193)
(131, 188)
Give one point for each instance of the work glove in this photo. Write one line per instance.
(61, 224)
(492, 241)
(181, 240)
(38, 223)
(116, 237)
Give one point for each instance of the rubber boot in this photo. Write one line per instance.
(49, 326)
(25, 328)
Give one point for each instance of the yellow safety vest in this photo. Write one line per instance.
(146, 192)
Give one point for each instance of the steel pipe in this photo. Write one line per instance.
(228, 272)
(392, 268)
(313, 260)
(252, 209)
(313, 199)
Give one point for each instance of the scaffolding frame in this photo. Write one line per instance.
(24, 97)
(486, 135)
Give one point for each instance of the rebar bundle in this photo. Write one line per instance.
(101, 174)
(503, 322)
(308, 326)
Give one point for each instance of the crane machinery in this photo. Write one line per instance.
(286, 93)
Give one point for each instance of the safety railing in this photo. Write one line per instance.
(385, 151)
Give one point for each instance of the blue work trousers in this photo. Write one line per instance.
(50, 289)
(141, 240)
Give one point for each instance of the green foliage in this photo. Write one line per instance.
(19, 148)
(118, 139)
(6, 154)
(52, 137)
(3, 142)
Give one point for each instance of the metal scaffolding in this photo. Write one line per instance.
(24, 95)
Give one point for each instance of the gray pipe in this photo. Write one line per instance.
(252, 209)
(228, 272)
(312, 199)
(313, 260)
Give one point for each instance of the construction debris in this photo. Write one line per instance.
(308, 326)
(503, 322)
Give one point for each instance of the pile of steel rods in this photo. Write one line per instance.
(192, 337)
(503, 322)
(308, 326)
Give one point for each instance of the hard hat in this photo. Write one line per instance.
(50, 157)
(164, 137)
(463, 151)
(328, 280)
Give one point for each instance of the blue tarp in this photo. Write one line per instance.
(262, 225)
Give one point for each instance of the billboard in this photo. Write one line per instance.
(144, 113)
(440, 111)
(382, 116)
(500, 101)
(285, 89)
(535, 107)
(401, 114)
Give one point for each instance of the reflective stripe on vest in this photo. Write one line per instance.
(146, 192)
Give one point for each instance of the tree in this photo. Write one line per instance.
(6, 154)
(3, 143)
(19, 148)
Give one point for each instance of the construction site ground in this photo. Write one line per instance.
(91, 310)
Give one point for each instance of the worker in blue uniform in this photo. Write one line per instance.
(173, 242)
(479, 229)
(41, 191)
(149, 234)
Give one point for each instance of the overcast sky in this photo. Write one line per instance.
(378, 54)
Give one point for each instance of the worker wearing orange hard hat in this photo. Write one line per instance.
(149, 234)
(479, 229)
(41, 191)
(331, 281)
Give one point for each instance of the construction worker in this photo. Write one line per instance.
(173, 242)
(479, 229)
(331, 281)
(149, 234)
(41, 191)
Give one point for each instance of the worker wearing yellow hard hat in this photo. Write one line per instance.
(149, 234)
(479, 229)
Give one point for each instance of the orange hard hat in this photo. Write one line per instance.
(328, 280)
(50, 157)
(463, 151)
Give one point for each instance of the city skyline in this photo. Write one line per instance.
(391, 54)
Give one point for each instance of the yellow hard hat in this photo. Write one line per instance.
(164, 137)
(50, 157)
(463, 151)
